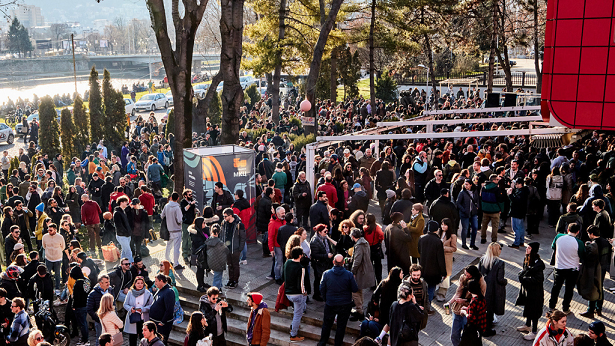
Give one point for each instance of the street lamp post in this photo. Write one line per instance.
(427, 82)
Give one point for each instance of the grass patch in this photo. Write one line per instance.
(363, 85)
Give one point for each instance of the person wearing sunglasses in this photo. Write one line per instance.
(20, 328)
(121, 279)
(35, 337)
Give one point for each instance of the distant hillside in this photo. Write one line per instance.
(86, 11)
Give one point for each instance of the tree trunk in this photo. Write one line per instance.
(319, 49)
(231, 31)
(178, 65)
(199, 124)
(372, 85)
(494, 36)
(503, 58)
(275, 91)
(333, 95)
(536, 53)
(432, 73)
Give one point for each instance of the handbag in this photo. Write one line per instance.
(118, 338)
(376, 251)
(207, 341)
(178, 313)
(471, 336)
(135, 317)
(164, 231)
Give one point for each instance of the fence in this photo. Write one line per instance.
(519, 79)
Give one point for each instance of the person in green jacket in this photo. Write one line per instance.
(279, 177)
(492, 203)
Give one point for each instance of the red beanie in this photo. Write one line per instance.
(256, 297)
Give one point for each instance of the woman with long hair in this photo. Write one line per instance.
(35, 337)
(167, 269)
(138, 302)
(72, 202)
(531, 294)
(449, 240)
(555, 329)
(345, 242)
(58, 195)
(416, 226)
(492, 269)
(348, 173)
(385, 294)
(196, 328)
(555, 185)
(372, 232)
(108, 318)
(366, 181)
(343, 194)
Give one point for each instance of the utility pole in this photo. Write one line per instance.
(72, 39)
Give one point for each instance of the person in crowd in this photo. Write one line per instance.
(416, 227)
(397, 240)
(434, 188)
(363, 272)
(302, 195)
(492, 269)
(196, 328)
(568, 251)
(531, 294)
(385, 180)
(602, 220)
(110, 322)
(161, 310)
(492, 205)
(319, 213)
(150, 335)
(462, 299)
(35, 338)
(233, 234)
(344, 242)
(555, 185)
(518, 210)
(90, 211)
(20, 326)
(404, 205)
(93, 302)
(263, 215)
(214, 310)
(449, 242)
(476, 314)
(173, 215)
(199, 233)
(468, 204)
(555, 331)
(138, 302)
(336, 287)
(590, 276)
(217, 256)
(405, 318)
(295, 277)
(383, 298)
(571, 216)
(322, 251)
(277, 220)
(188, 206)
(259, 322)
(54, 244)
(597, 331)
(122, 227)
(372, 233)
(79, 301)
(432, 259)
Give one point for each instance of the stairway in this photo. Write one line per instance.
(280, 322)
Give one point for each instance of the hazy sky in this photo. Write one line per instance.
(85, 11)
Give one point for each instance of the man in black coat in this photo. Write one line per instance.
(443, 208)
(322, 252)
(285, 232)
(161, 311)
(518, 210)
(263, 215)
(434, 186)
(319, 212)
(432, 259)
(266, 167)
(221, 199)
(404, 205)
(302, 194)
(28, 271)
(43, 283)
(359, 200)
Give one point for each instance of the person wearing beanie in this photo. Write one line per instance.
(259, 322)
(359, 199)
(41, 216)
(597, 332)
(85, 262)
(531, 294)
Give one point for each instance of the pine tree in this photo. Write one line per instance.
(68, 135)
(96, 108)
(115, 119)
(49, 133)
(81, 120)
(386, 88)
(254, 94)
(215, 110)
(171, 121)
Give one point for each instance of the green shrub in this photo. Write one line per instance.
(301, 141)
(254, 94)
(256, 133)
(295, 121)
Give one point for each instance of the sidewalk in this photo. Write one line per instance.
(437, 332)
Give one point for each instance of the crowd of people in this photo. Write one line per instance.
(432, 195)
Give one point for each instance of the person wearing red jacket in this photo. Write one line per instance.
(329, 189)
(90, 211)
(277, 221)
(374, 236)
(147, 200)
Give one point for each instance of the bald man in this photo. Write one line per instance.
(336, 287)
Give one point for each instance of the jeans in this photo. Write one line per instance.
(519, 227)
(569, 276)
(459, 321)
(466, 223)
(495, 223)
(278, 262)
(125, 243)
(343, 313)
(186, 243)
(55, 267)
(244, 253)
(218, 279)
(370, 328)
(174, 243)
(81, 315)
(98, 329)
(431, 291)
(265, 244)
(298, 301)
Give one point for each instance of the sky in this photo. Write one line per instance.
(85, 11)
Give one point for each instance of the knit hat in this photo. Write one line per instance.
(597, 327)
(257, 298)
(535, 246)
(40, 207)
(390, 193)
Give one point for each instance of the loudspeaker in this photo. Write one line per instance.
(493, 100)
(510, 100)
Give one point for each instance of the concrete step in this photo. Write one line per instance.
(190, 301)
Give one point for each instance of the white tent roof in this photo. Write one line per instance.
(219, 150)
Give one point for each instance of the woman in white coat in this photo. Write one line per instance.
(138, 301)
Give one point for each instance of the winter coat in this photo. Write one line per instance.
(272, 232)
(319, 253)
(397, 241)
(518, 202)
(531, 294)
(496, 286)
(122, 225)
(233, 234)
(10, 285)
(212, 316)
(89, 213)
(566, 219)
(216, 254)
(408, 313)
(450, 247)
(130, 302)
(467, 203)
(416, 227)
(263, 214)
(403, 206)
(161, 310)
(384, 180)
(337, 286)
(319, 214)
(120, 280)
(359, 200)
(362, 265)
(543, 338)
(94, 301)
(262, 325)
(432, 259)
(111, 323)
(200, 236)
(589, 284)
(302, 202)
(443, 208)
(491, 198)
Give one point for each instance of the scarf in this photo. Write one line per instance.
(250, 333)
(137, 293)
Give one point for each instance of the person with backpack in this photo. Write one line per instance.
(492, 203)
(404, 319)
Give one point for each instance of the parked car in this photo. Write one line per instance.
(219, 88)
(169, 96)
(6, 134)
(129, 106)
(246, 81)
(152, 102)
(200, 90)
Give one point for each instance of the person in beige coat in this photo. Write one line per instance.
(109, 320)
(449, 240)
